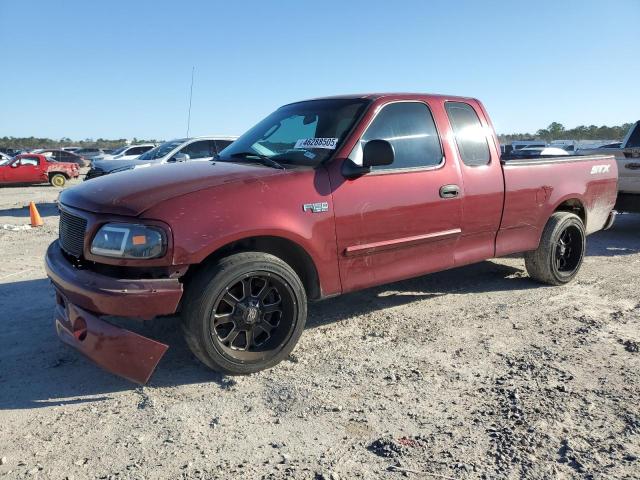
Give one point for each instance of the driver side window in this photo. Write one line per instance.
(410, 128)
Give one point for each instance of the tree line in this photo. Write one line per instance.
(557, 131)
(38, 142)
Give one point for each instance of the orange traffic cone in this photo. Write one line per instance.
(36, 220)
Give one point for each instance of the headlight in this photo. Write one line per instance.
(122, 240)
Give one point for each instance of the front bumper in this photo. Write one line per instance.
(105, 295)
(115, 349)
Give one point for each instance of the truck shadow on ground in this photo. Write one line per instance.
(37, 370)
(47, 209)
(622, 239)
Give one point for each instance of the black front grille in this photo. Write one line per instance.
(72, 231)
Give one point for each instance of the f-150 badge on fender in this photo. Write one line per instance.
(318, 207)
(599, 169)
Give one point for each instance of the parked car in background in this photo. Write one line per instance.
(322, 197)
(71, 149)
(89, 153)
(178, 150)
(4, 158)
(32, 168)
(12, 152)
(520, 144)
(126, 153)
(531, 152)
(60, 155)
(628, 159)
(567, 145)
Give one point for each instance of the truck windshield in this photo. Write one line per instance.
(304, 133)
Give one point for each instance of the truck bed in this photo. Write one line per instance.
(531, 193)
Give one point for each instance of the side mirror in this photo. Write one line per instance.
(179, 157)
(377, 153)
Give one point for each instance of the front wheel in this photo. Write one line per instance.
(245, 313)
(559, 256)
(58, 180)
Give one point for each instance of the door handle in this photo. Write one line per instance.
(632, 166)
(449, 191)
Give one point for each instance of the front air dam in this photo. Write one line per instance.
(115, 349)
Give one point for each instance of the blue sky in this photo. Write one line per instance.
(115, 69)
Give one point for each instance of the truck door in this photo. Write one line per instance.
(482, 179)
(403, 219)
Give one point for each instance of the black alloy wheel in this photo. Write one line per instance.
(560, 252)
(244, 313)
(568, 250)
(252, 316)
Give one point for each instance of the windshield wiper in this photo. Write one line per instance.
(263, 159)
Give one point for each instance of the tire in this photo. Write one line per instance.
(58, 180)
(559, 256)
(216, 307)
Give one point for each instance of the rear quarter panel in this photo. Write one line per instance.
(534, 190)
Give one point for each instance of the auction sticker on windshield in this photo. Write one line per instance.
(329, 143)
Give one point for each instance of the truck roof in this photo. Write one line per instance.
(376, 96)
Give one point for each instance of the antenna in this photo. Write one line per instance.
(190, 97)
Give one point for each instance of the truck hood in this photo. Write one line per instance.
(133, 191)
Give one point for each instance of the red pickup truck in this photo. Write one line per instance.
(320, 198)
(34, 168)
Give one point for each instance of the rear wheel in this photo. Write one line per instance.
(559, 256)
(58, 180)
(244, 313)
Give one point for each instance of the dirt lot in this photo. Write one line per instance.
(472, 373)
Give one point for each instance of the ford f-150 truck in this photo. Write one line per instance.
(320, 198)
(35, 168)
(628, 158)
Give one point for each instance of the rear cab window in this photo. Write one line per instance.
(469, 134)
(409, 127)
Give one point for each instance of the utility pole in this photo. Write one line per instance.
(190, 97)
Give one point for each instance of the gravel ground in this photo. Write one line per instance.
(476, 372)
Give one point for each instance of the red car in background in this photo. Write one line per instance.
(35, 168)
